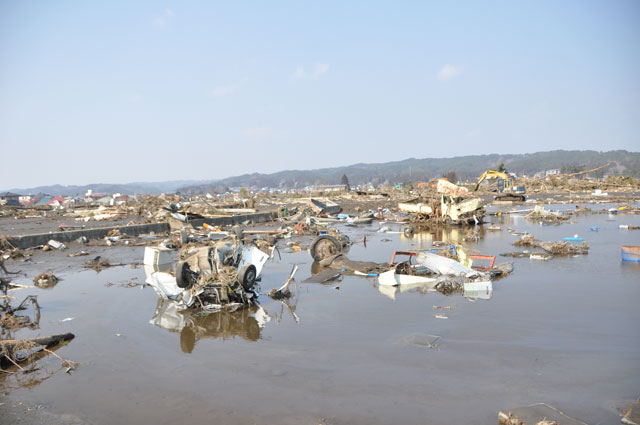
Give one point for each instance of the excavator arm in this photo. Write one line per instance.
(493, 174)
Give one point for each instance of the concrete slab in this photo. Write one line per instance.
(28, 241)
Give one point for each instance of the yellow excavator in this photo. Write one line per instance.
(505, 186)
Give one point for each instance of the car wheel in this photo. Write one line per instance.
(247, 276)
(325, 246)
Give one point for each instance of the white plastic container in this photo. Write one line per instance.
(157, 255)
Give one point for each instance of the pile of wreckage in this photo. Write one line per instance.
(548, 250)
(436, 270)
(222, 274)
(219, 275)
(445, 269)
(452, 206)
(19, 357)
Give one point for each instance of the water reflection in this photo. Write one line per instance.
(630, 268)
(26, 363)
(468, 291)
(246, 323)
(446, 234)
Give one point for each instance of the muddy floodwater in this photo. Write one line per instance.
(562, 331)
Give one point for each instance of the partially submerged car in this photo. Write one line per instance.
(219, 276)
(434, 272)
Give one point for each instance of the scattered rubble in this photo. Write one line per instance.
(99, 263)
(548, 217)
(451, 206)
(203, 268)
(46, 280)
(12, 318)
(18, 357)
(536, 414)
(564, 248)
(631, 415)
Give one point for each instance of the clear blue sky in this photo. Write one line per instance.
(122, 91)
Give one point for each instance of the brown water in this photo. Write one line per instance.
(564, 332)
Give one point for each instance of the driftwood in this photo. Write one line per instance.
(10, 348)
(46, 341)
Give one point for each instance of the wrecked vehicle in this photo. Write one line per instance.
(220, 276)
(462, 211)
(434, 272)
(325, 246)
(452, 208)
(328, 251)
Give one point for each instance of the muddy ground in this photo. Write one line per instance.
(562, 331)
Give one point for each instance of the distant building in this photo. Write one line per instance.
(10, 199)
(105, 200)
(56, 201)
(329, 187)
(552, 172)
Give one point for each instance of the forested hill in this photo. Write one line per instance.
(412, 169)
(409, 170)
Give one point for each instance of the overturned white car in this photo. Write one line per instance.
(220, 276)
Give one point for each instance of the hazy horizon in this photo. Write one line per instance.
(123, 92)
(237, 175)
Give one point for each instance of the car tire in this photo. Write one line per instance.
(183, 275)
(324, 246)
(247, 276)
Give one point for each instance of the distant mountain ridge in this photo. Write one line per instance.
(136, 188)
(412, 169)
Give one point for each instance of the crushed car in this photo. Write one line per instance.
(453, 207)
(222, 275)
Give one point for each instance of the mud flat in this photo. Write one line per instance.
(560, 332)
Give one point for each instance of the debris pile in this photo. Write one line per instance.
(46, 280)
(549, 249)
(17, 354)
(547, 217)
(12, 318)
(8, 251)
(212, 276)
(570, 183)
(434, 272)
(452, 206)
(565, 248)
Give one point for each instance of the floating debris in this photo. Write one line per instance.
(46, 280)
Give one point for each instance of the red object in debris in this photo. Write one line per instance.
(491, 258)
(410, 254)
